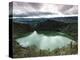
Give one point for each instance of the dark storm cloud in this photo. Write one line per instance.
(30, 9)
(72, 10)
(36, 5)
(66, 7)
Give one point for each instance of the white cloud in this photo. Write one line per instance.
(24, 8)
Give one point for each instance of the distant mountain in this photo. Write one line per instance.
(57, 26)
(71, 19)
(60, 24)
(36, 21)
(46, 23)
(30, 21)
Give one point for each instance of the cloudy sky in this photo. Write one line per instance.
(42, 9)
